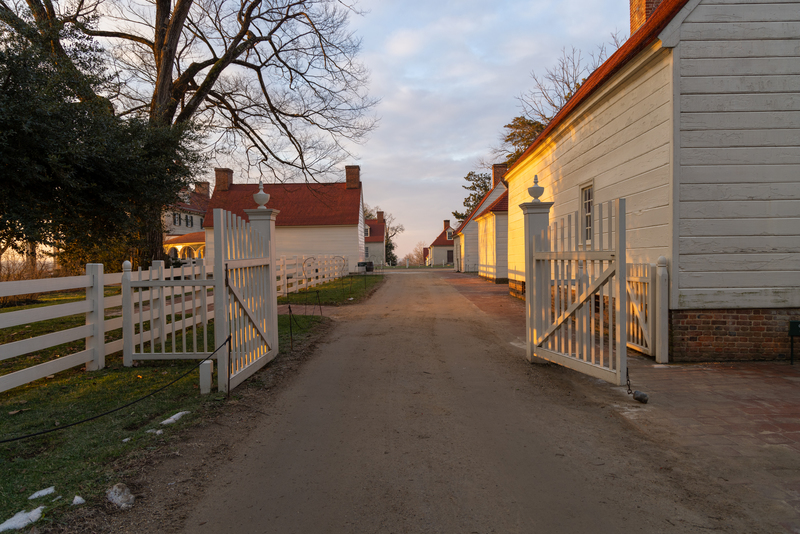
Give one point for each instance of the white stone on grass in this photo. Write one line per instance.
(42, 493)
(78, 500)
(174, 418)
(22, 519)
(121, 496)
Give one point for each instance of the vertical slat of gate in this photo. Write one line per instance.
(620, 248)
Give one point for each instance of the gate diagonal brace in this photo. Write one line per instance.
(580, 301)
(241, 301)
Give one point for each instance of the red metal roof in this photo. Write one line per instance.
(376, 231)
(194, 237)
(637, 42)
(442, 240)
(330, 204)
(499, 205)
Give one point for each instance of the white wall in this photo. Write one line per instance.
(469, 252)
(311, 240)
(739, 165)
(493, 245)
(438, 254)
(619, 140)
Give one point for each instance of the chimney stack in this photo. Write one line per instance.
(224, 179)
(498, 171)
(446, 224)
(352, 175)
(380, 216)
(641, 11)
(202, 188)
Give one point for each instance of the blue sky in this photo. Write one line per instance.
(448, 73)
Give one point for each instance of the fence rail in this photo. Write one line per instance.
(105, 314)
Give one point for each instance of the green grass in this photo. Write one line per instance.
(347, 290)
(81, 460)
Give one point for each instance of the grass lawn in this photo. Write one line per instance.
(80, 460)
(347, 290)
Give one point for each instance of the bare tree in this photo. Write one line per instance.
(416, 256)
(276, 81)
(552, 90)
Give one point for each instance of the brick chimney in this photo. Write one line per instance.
(641, 11)
(498, 171)
(202, 188)
(224, 179)
(380, 216)
(352, 175)
(446, 224)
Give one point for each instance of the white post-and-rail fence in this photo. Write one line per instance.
(166, 312)
(297, 273)
(582, 310)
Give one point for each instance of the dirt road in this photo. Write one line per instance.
(418, 414)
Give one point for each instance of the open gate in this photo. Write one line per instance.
(166, 313)
(243, 254)
(575, 284)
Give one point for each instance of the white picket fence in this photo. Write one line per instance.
(189, 311)
(297, 273)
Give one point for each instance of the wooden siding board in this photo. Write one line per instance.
(740, 84)
(736, 174)
(740, 120)
(745, 13)
(787, 155)
(741, 280)
(739, 227)
(712, 31)
(751, 191)
(729, 209)
(765, 261)
(761, 66)
(739, 49)
(783, 137)
(738, 298)
(740, 244)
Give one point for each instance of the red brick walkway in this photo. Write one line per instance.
(740, 421)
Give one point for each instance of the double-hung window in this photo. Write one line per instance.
(587, 197)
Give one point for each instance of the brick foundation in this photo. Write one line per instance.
(739, 334)
(516, 288)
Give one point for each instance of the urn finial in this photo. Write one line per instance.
(537, 190)
(261, 197)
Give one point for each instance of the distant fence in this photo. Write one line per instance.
(292, 275)
(296, 273)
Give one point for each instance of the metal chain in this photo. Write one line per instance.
(628, 381)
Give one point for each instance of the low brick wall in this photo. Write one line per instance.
(719, 335)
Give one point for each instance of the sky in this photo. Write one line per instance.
(447, 74)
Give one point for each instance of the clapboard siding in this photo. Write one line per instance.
(739, 155)
(740, 245)
(619, 143)
(739, 49)
(747, 191)
(470, 244)
(740, 138)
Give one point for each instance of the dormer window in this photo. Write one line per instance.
(366, 231)
(450, 234)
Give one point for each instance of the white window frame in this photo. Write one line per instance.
(449, 234)
(586, 200)
(176, 219)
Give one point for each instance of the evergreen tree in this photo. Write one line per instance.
(479, 185)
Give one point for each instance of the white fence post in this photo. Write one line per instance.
(536, 220)
(661, 330)
(96, 342)
(263, 221)
(158, 305)
(127, 316)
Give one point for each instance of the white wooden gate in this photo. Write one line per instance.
(170, 307)
(244, 253)
(576, 289)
